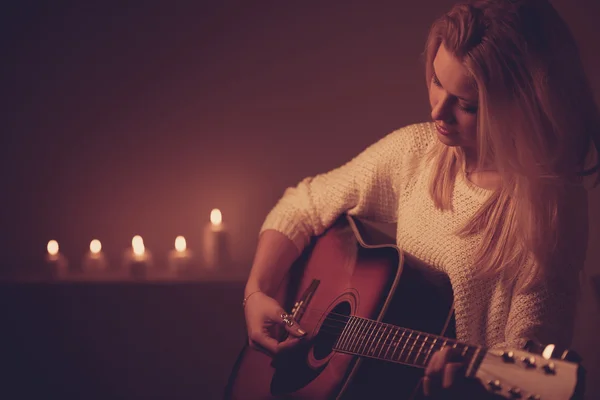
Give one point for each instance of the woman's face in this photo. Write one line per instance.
(454, 101)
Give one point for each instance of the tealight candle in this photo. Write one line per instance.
(94, 260)
(138, 259)
(180, 258)
(216, 242)
(55, 260)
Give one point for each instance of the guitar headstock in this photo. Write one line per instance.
(529, 374)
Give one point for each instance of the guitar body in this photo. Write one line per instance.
(351, 270)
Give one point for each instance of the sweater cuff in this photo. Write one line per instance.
(288, 226)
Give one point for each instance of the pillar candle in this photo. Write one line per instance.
(56, 262)
(138, 259)
(95, 260)
(216, 242)
(180, 258)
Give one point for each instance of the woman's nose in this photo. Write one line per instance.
(442, 110)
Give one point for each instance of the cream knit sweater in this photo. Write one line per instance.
(388, 182)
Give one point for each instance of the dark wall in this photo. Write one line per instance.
(126, 117)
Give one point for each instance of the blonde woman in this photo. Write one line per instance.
(491, 191)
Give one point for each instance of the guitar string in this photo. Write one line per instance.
(377, 340)
(423, 338)
(380, 345)
(379, 324)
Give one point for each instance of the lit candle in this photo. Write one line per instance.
(216, 242)
(94, 260)
(56, 261)
(180, 258)
(138, 259)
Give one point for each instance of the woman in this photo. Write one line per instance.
(491, 192)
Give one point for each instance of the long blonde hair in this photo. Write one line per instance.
(538, 125)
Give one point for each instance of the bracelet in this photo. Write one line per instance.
(247, 297)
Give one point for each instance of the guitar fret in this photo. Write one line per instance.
(465, 351)
(358, 336)
(373, 341)
(421, 349)
(353, 333)
(472, 361)
(398, 343)
(378, 345)
(391, 342)
(415, 341)
(345, 336)
(404, 346)
(425, 362)
(365, 338)
(372, 336)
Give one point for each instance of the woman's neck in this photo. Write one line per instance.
(472, 162)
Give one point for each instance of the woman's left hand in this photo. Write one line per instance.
(445, 378)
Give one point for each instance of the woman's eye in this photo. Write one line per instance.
(468, 109)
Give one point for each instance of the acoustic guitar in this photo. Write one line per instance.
(374, 317)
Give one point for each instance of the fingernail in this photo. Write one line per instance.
(301, 331)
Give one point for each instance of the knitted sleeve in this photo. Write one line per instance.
(546, 312)
(366, 186)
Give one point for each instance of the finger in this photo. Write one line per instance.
(436, 363)
(290, 324)
(453, 372)
(288, 343)
(428, 386)
(433, 371)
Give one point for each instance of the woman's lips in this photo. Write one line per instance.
(442, 130)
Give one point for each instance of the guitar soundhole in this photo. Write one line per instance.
(331, 328)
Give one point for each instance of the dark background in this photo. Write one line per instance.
(123, 118)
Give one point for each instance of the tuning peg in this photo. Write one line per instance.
(515, 393)
(529, 361)
(533, 347)
(549, 368)
(570, 355)
(508, 356)
(495, 385)
(549, 351)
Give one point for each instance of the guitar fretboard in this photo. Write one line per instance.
(368, 338)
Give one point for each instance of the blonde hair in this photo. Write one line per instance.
(538, 125)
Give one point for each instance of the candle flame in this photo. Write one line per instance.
(216, 218)
(137, 243)
(95, 246)
(180, 244)
(52, 247)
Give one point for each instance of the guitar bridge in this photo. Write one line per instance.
(301, 305)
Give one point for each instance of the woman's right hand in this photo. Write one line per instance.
(263, 315)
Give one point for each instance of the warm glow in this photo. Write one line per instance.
(216, 217)
(52, 247)
(137, 243)
(548, 350)
(180, 244)
(95, 246)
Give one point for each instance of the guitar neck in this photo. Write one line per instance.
(373, 339)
